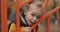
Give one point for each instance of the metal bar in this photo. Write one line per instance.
(48, 24)
(28, 1)
(34, 30)
(17, 15)
(44, 6)
(4, 15)
(59, 19)
(45, 16)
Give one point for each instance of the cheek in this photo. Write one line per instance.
(29, 17)
(37, 19)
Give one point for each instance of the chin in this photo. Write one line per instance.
(30, 25)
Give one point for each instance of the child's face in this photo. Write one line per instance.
(33, 14)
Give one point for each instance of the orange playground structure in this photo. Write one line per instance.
(18, 5)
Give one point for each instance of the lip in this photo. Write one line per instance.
(31, 22)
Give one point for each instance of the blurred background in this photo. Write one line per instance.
(54, 24)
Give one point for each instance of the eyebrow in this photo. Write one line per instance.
(36, 13)
(39, 5)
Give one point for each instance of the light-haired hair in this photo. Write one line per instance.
(38, 3)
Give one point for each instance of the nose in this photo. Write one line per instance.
(35, 19)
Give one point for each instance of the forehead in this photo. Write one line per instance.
(35, 12)
(38, 2)
(35, 8)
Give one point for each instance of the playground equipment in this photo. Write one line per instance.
(18, 5)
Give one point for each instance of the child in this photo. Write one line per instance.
(29, 15)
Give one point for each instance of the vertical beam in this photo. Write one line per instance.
(0, 15)
(59, 19)
(17, 15)
(4, 15)
(48, 24)
(44, 6)
(34, 30)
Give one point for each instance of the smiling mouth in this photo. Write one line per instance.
(31, 22)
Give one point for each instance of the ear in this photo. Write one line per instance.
(27, 7)
(25, 11)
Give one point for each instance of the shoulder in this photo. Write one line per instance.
(12, 27)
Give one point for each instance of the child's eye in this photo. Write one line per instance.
(38, 17)
(33, 14)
